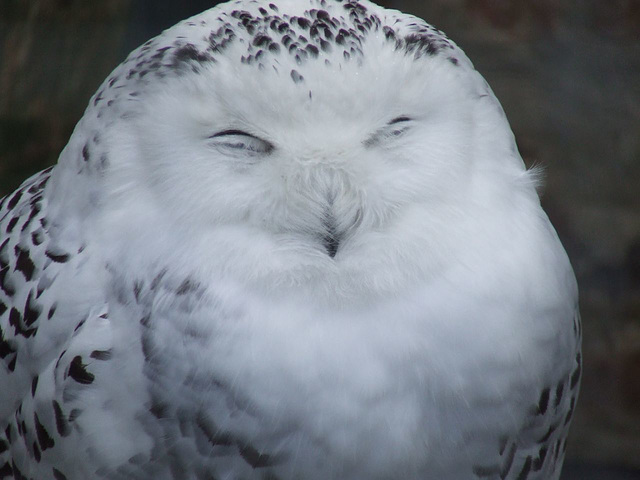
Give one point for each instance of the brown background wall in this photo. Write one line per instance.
(568, 75)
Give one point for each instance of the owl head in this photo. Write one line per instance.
(317, 134)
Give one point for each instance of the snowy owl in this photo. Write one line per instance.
(287, 241)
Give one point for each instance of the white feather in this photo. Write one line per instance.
(329, 266)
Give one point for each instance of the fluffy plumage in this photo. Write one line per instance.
(288, 240)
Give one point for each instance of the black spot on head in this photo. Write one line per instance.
(323, 15)
(296, 77)
(240, 14)
(85, 153)
(420, 44)
(78, 371)
(189, 53)
(262, 40)
(313, 50)
(355, 8)
(98, 98)
(341, 37)
(273, 7)
(283, 27)
(300, 56)
(304, 23)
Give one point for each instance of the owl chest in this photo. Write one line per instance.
(326, 392)
(295, 381)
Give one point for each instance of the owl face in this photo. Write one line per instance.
(329, 131)
(317, 160)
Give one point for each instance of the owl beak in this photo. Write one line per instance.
(338, 220)
(331, 238)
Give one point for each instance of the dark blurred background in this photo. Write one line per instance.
(568, 75)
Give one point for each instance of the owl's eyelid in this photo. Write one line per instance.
(230, 132)
(267, 147)
(400, 119)
(390, 130)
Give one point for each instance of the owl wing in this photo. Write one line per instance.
(29, 266)
(35, 334)
(75, 356)
(536, 451)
